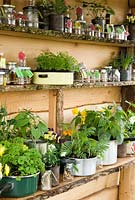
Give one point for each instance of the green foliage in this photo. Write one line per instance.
(122, 61)
(83, 146)
(59, 7)
(98, 9)
(29, 125)
(62, 61)
(126, 60)
(5, 124)
(20, 159)
(130, 123)
(52, 156)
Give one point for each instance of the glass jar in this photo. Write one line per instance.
(133, 74)
(9, 17)
(32, 16)
(104, 75)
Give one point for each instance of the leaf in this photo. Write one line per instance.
(35, 133)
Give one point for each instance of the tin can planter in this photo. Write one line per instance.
(12, 186)
(56, 22)
(85, 167)
(125, 75)
(122, 150)
(110, 155)
(53, 78)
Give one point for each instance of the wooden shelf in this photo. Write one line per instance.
(14, 88)
(32, 33)
(108, 172)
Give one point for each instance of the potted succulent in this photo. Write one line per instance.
(20, 166)
(55, 69)
(81, 147)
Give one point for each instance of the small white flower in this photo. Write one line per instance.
(0, 175)
(132, 119)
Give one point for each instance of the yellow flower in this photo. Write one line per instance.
(83, 113)
(2, 150)
(75, 111)
(83, 120)
(7, 170)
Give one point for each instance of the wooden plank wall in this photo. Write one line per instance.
(94, 56)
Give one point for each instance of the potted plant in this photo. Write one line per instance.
(52, 162)
(109, 125)
(55, 69)
(56, 18)
(20, 166)
(82, 147)
(126, 62)
(31, 127)
(44, 8)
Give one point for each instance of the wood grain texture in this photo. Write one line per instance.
(127, 183)
(106, 194)
(85, 96)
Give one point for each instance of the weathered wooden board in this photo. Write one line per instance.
(92, 187)
(111, 193)
(93, 96)
(127, 183)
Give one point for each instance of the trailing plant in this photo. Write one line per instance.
(62, 62)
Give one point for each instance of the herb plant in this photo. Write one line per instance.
(18, 160)
(62, 62)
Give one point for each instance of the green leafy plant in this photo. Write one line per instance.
(130, 123)
(59, 7)
(29, 126)
(5, 124)
(62, 61)
(109, 123)
(52, 156)
(81, 143)
(126, 60)
(19, 160)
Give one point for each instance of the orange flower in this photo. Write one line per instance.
(75, 111)
(67, 132)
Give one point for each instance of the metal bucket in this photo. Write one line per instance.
(12, 186)
(85, 167)
(110, 155)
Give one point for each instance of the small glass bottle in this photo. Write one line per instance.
(103, 75)
(67, 175)
(67, 24)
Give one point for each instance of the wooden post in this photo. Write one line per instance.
(52, 109)
(59, 109)
(127, 183)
